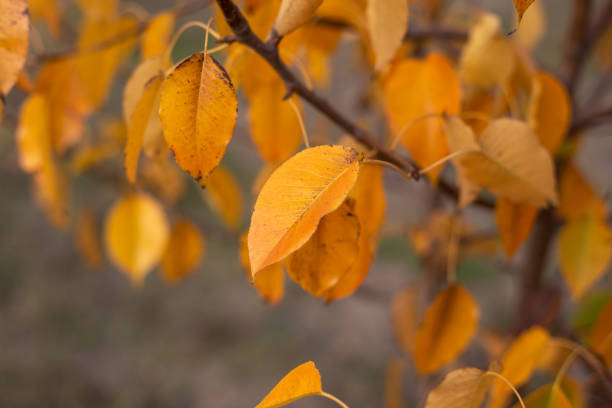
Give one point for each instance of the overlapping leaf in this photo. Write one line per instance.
(387, 23)
(184, 251)
(270, 281)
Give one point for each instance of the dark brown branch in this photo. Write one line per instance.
(593, 119)
(269, 52)
(576, 49)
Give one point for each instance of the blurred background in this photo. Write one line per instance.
(73, 336)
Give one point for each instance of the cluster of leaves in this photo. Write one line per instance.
(486, 108)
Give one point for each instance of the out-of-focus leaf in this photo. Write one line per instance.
(270, 281)
(47, 11)
(184, 252)
(515, 222)
(387, 23)
(88, 239)
(521, 7)
(461, 388)
(548, 396)
(157, 35)
(601, 335)
(404, 309)
(223, 193)
(393, 383)
(294, 13)
(576, 197)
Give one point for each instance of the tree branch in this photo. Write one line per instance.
(593, 119)
(576, 49)
(269, 51)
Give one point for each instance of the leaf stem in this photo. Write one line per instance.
(398, 136)
(333, 398)
(509, 384)
(301, 122)
(445, 159)
(407, 176)
(579, 349)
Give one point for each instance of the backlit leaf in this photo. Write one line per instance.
(14, 35)
(522, 6)
(184, 252)
(297, 195)
(515, 222)
(301, 382)
(198, 112)
(461, 388)
(157, 35)
(135, 233)
(601, 335)
(447, 328)
(548, 396)
(294, 13)
(270, 281)
(223, 194)
(387, 23)
(329, 253)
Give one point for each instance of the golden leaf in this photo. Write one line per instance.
(224, 196)
(270, 281)
(416, 88)
(548, 396)
(601, 334)
(198, 111)
(14, 35)
(461, 388)
(329, 253)
(507, 159)
(387, 23)
(585, 247)
(447, 328)
(577, 197)
(404, 309)
(297, 195)
(301, 382)
(88, 240)
(184, 252)
(294, 13)
(136, 232)
(97, 10)
(515, 221)
(533, 27)
(522, 6)
(156, 37)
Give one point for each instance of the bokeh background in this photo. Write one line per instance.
(72, 336)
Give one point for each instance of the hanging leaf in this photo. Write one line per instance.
(533, 27)
(515, 222)
(98, 10)
(447, 328)
(294, 13)
(88, 240)
(585, 247)
(461, 388)
(184, 252)
(270, 281)
(156, 37)
(329, 253)
(393, 383)
(550, 111)
(518, 363)
(224, 196)
(387, 23)
(136, 232)
(601, 335)
(507, 159)
(301, 382)
(522, 6)
(548, 396)
(138, 123)
(297, 195)
(416, 88)
(404, 309)
(576, 197)
(14, 32)
(198, 110)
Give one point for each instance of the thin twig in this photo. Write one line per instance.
(593, 119)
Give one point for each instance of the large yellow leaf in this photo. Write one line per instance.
(522, 6)
(550, 111)
(184, 252)
(518, 363)
(585, 246)
(136, 232)
(461, 388)
(294, 13)
(270, 281)
(507, 159)
(297, 195)
(515, 221)
(415, 88)
(223, 193)
(576, 197)
(14, 33)
(329, 253)
(301, 382)
(198, 110)
(447, 328)
(157, 35)
(548, 396)
(138, 124)
(601, 335)
(387, 23)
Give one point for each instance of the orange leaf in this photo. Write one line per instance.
(548, 396)
(404, 309)
(461, 388)
(270, 281)
(46, 10)
(157, 35)
(301, 382)
(294, 13)
(224, 196)
(297, 195)
(601, 335)
(522, 6)
(577, 197)
(87, 239)
(184, 252)
(515, 221)
(14, 35)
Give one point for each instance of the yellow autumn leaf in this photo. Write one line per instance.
(294, 13)
(138, 123)
(34, 133)
(404, 311)
(329, 253)
(548, 396)
(515, 221)
(601, 334)
(387, 23)
(518, 363)
(198, 111)
(461, 388)
(507, 159)
(224, 196)
(447, 328)
(533, 27)
(184, 251)
(585, 247)
(522, 6)
(270, 281)
(97, 10)
(349, 12)
(487, 58)
(297, 195)
(88, 240)
(14, 40)
(164, 177)
(135, 233)
(156, 37)
(550, 111)
(47, 11)
(576, 197)
(301, 382)
(415, 88)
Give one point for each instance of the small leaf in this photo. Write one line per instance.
(522, 6)
(157, 35)
(88, 240)
(136, 232)
(448, 326)
(184, 251)
(577, 197)
(198, 110)
(270, 281)
(224, 196)
(601, 335)
(329, 253)
(404, 309)
(507, 159)
(301, 382)
(461, 388)
(14, 32)
(584, 252)
(548, 396)
(294, 13)
(387, 23)
(297, 195)
(515, 222)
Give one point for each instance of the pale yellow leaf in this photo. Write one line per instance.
(301, 382)
(184, 251)
(515, 221)
(533, 26)
(387, 23)
(461, 388)
(14, 37)
(294, 13)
